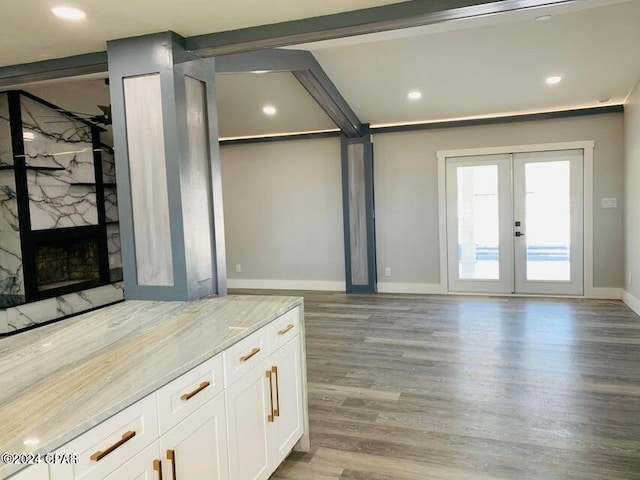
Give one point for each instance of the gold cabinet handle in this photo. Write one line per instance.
(276, 412)
(285, 329)
(246, 357)
(187, 396)
(157, 466)
(100, 454)
(270, 416)
(171, 456)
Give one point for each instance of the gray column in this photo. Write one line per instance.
(168, 169)
(358, 213)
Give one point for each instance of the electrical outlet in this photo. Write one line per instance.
(238, 268)
(387, 271)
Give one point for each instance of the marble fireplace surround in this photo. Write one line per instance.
(69, 197)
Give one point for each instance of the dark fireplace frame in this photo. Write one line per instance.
(30, 239)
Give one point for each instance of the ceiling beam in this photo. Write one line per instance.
(84, 64)
(308, 72)
(369, 20)
(357, 22)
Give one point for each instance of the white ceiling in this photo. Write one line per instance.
(472, 68)
(29, 32)
(491, 66)
(240, 98)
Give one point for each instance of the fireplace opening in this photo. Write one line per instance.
(69, 262)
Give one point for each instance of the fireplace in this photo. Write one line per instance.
(65, 263)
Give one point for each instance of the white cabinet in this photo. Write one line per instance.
(106, 447)
(236, 416)
(248, 411)
(288, 425)
(34, 472)
(196, 448)
(265, 414)
(144, 466)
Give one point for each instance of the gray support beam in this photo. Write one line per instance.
(168, 169)
(304, 66)
(358, 213)
(51, 69)
(357, 22)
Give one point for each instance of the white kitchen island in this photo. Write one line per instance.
(210, 389)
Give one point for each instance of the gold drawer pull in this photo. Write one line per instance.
(171, 456)
(286, 329)
(271, 415)
(276, 412)
(157, 466)
(187, 396)
(100, 454)
(246, 357)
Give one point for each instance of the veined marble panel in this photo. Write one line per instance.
(52, 139)
(108, 166)
(6, 150)
(11, 279)
(113, 246)
(31, 314)
(4, 324)
(88, 299)
(62, 206)
(111, 204)
(8, 202)
(147, 169)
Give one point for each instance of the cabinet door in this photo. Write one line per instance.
(34, 472)
(287, 375)
(248, 412)
(196, 448)
(144, 466)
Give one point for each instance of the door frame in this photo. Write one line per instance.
(586, 146)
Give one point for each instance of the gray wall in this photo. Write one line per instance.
(406, 176)
(283, 210)
(632, 192)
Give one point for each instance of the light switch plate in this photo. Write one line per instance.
(608, 202)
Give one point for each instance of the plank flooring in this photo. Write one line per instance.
(469, 388)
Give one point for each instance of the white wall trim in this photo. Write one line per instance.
(632, 302)
(587, 146)
(260, 284)
(539, 147)
(420, 288)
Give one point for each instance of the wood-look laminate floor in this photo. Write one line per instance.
(446, 387)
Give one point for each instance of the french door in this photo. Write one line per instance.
(515, 223)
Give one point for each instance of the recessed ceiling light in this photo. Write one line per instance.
(543, 18)
(260, 71)
(69, 13)
(269, 110)
(414, 95)
(553, 79)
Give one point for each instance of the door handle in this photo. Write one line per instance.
(171, 456)
(271, 415)
(276, 411)
(157, 466)
(519, 234)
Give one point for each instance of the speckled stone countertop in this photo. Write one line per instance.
(60, 380)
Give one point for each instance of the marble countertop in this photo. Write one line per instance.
(60, 380)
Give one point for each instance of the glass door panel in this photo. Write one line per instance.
(548, 215)
(479, 220)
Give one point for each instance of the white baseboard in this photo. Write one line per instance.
(631, 301)
(260, 284)
(604, 293)
(425, 288)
